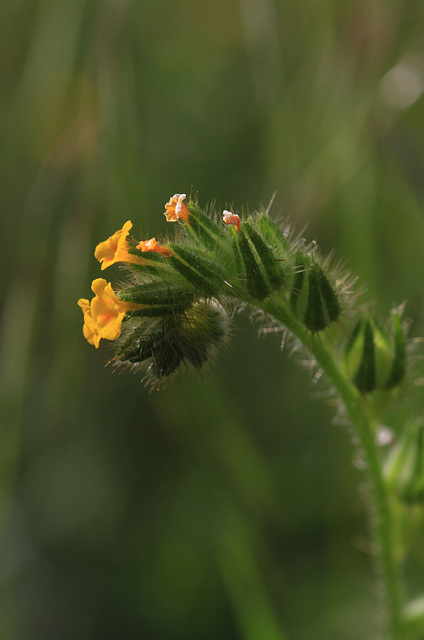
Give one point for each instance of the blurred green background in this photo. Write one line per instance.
(226, 506)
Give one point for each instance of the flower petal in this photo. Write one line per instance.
(176, 209)
(114, 249)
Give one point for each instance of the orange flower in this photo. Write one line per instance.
(115, 248)
(90, 331)
(103, 316)
(152, 245)
(108, 310)
(176, 209)
(231, 218)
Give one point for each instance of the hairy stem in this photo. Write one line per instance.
(382, 520)
(359, 414)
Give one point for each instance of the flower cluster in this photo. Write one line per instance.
(173, 304)
(103, 315)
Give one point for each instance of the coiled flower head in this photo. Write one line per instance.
(176, 299)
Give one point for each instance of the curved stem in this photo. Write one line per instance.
(382, 521)
(358, 412)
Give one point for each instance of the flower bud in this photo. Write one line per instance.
(200, 272)
(158, 298)
(398, 369)
(322, 306)
(373, 360)
(278, 237)
(271, 265)
(204, 228)
(160, 345)
(255, 280)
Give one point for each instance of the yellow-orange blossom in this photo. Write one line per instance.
(176, 209)
(115, 248)
(103, 316)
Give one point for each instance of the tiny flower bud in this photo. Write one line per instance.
(152, 245)
(176, 209)
(231, 218)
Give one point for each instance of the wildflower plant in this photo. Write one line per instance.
(174, 305)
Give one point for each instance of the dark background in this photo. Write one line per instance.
(226, 506)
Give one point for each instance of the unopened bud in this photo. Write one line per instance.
(158, 347)
(255, 280)
(373, 359)
(322, 306)
(272, 266)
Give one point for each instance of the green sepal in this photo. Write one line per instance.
(140, 343)
(299, 278)
(146, 269)
(236, 252)
(273, 269)
(272, 233)
(205, 267)
(349, 347)
(314, 317)
(203, 227)
(161, 311)
(371, 361)
(329, 297)
(201, 329)
(398, 370)
(154, 346)
(156, 293)
(161, 345)
(201, 284)
(256, 285)
(322, 307)
(210, 279)
(365, 378)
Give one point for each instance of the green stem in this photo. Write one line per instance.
(382, 521)
(358, 412)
